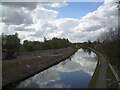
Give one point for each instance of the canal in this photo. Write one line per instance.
(74, 72)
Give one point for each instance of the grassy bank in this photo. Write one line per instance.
(95, 76)
(115, 61)
(111, 80)
(14, 71)
(96, 72)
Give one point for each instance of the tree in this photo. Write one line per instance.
(54, 43)
(11, 42)
(45, 39)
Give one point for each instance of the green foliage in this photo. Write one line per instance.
(94, 77)
(54, 43)
(110, 43)
(112, 82)
(32, 45)
(11, 42)
(87, 44)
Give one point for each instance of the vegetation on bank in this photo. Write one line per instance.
(12, 42)
(111, 80)
(37, 64)
(109, 45)
(94, 77)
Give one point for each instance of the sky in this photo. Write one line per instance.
(75, 9)
(77, 21)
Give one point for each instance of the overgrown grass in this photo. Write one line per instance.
(115, 61)
(95, 76)
(111, 80)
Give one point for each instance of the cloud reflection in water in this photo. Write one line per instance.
(80, 63)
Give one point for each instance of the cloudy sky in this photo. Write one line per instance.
(77, 21)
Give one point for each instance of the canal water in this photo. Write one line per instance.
(74, 72)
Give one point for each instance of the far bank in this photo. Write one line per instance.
(15, 71)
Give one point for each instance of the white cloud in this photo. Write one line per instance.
(45, 23)
(58, 4)
(15, 16)
(110, 1)
(91, 24)
(67, 23)
(40, 13)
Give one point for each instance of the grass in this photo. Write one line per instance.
(115, 61)
(95, 76)
(111, 82)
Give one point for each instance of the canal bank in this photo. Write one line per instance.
(14, 71)
(103, 76)
(99, 77)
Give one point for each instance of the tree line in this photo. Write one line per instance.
(12, 42)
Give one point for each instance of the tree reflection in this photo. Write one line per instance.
(87, 50)
(63, 63)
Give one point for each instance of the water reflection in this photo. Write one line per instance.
(87, 50)
(74, 72)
